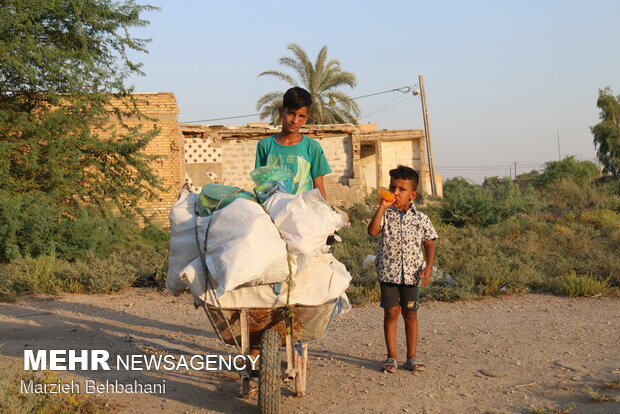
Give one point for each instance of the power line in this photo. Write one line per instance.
(219, 119)
(389, 105)
(403, 89)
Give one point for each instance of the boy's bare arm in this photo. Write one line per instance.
(318, 183)
(429, 257)
(374, 227)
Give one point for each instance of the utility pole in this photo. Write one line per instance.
(515, 170)
(427, 136)
(557, 133)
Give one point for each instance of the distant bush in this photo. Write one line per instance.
(567, 195)
(465, 203)
(581, 172)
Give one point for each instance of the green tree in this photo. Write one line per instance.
(456, 185)
(321, 79)
(607, 132)
(61, 65)
(466, 203)
(581, 172)
(529, 175)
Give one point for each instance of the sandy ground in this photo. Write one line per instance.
(500, 355)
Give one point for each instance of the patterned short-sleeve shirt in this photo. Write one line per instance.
(400, 256)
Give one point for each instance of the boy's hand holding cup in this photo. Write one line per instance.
(387, 197)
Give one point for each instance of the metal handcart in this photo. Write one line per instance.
(268, 329)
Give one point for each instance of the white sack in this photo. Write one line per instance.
(305, 221)
(244, 247)
(194, 277)
(183, 247)
(324, 280)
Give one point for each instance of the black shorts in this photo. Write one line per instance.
(394, 294)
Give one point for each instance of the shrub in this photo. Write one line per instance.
(31, 226)
(574, 285)
(568, 196)
(580, 172)
(14, 401)
(27, 226)
(142, 265)
(444, 293)
(363, 290)
(469, 204)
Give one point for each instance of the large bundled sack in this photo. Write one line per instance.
(305, 221)
(243, 247)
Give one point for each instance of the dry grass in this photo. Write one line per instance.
(14, 402)
(564, 410)
(599, 396)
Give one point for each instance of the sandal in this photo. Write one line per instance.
(389, 365)
(413, 365)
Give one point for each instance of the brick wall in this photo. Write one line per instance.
(339, 154)
(163, 112)
(238, 161)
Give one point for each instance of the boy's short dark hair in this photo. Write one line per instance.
(296, 98)
(405, 173)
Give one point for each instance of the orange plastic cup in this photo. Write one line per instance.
(385, 194)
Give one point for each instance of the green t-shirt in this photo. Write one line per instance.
(306, 159)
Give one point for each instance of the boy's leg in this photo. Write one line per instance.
(391, 310)
(411, 331)
(409, 307)
(390, 321)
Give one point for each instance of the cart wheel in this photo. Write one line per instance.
(269, 377)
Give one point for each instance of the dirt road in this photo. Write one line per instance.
(503, 355)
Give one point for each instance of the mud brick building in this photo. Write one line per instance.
(359, 155)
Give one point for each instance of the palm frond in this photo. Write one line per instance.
(284, 76)
(268, 98)
(271, 110)
(302, 57)
(337, 79)
(319, 69)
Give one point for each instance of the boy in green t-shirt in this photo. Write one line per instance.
(302, 155)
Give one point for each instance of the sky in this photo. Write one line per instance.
(505, 81)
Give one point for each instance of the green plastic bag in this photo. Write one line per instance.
(270, 180)
(263, 175)
(216, 196)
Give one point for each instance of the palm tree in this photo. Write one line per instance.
(330, 106)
